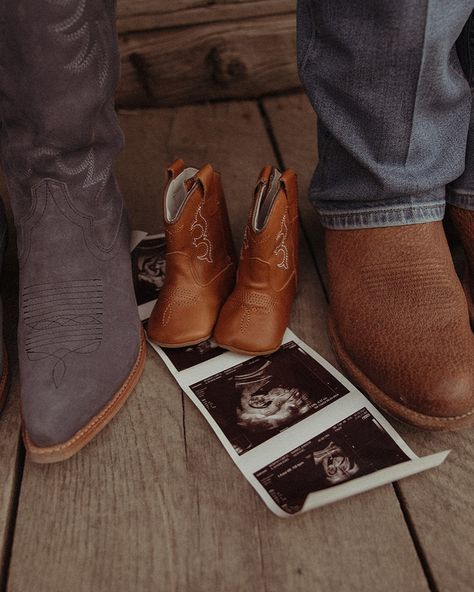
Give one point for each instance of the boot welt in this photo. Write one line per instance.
(394, 408)
(65, 450)
(178, 345)
(4, 380)
(237, 350)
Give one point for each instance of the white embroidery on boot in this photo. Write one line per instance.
(201, 239)
(281, 249)
(245, 242)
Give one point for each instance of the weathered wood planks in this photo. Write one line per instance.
(11, 450)
(228, 59)
(155, 503)
(156, 14)
(440, 503)
(10, 470)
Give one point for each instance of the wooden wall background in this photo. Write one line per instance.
(186, 51)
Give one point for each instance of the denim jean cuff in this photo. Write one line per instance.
(460, 198)
(386, 215)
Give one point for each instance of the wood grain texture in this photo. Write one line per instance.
(10, 446)
(440, 503)
(9, 470)
(155, 503)
(232, 59)
(441, 506)
(157, 14)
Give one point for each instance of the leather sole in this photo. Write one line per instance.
(65, 450)
(177, 345)
(4, 380)
(244, 352)
(393, 408)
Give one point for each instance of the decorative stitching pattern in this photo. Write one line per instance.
(61, 319)
(93, 42)
(91, 46)
(88, 165)
(57, 191)
(255, 300)
(73, 19)
(282, 250)
(100, 420)
(202, 238)
(380, 279)
(245, 242)
(249, 304)
(93, 176)
(176, 298)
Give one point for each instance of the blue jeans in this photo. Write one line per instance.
(391, 83)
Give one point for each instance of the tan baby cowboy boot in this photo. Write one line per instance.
(200, 259)
(256, 314)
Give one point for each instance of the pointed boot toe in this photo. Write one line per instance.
(182, 317)
(449, 396)
(399, 323)
(200, 259)
(245, 323)
(80, 341)
(77, 407)
(73, 386)
(256, 314)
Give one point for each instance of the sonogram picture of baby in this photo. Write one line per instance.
(254, 400)
(355, 446)
(265, 407)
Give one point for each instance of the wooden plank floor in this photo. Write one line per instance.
(155, 503)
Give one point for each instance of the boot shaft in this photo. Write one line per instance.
(198, 234)
(269, 254)
(59, 66)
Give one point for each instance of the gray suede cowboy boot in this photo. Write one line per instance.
(81, 347)
(3, 352)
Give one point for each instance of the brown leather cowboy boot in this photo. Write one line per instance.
(256, 314)
(200, 259)
(399, 322)
(463, 221)
(81, 349)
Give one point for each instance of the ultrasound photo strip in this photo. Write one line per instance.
(148, 269)
(298, 430)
